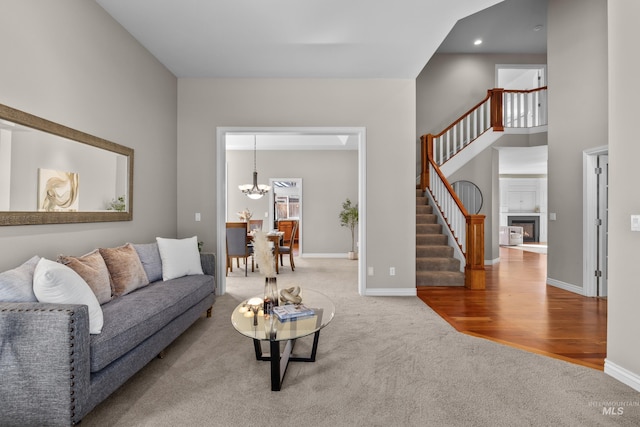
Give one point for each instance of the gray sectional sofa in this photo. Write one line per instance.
(53, 371)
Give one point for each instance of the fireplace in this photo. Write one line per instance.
(530, 227)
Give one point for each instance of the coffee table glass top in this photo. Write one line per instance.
(321, 304)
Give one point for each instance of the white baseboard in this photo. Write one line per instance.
(492, 261)
(566, 286)
(391, 292)
(621, 374)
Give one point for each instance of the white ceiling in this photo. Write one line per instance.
(292, 38)
(328, 39)
(512, 26)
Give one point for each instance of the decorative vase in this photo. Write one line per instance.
(270, 294)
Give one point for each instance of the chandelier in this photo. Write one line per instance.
(255, 190)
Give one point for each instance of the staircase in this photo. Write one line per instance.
(435, 264)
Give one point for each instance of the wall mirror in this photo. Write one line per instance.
(52, 174)
(470, 196)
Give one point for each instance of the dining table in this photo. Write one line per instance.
(274, 236)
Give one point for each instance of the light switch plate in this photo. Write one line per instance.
(635, 222)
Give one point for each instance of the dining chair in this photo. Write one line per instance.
(287, 246)
(255, 224)
(238, 246)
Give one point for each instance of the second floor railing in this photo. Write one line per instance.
(500, 109)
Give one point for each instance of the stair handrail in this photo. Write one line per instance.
(490, 113)
(467, 229)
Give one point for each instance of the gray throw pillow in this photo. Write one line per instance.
(149, 255)
(17, 285)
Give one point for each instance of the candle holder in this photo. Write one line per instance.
(253, 306)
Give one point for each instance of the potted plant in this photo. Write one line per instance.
(349, 219)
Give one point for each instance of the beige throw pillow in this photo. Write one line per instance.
(127, 273)
(92, 268)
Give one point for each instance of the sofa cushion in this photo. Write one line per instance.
(150, 258)
(56, 283)
(16, 285)
(125, 268)
(180, 257)
(92, 268)
(131, 319)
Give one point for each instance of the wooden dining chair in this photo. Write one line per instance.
(238, 246)
(255, 224)
(287, 246)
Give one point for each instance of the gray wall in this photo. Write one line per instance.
(450, 84)
(623, 340)
(68, 61)
(322, 192)
(577, 68)
(386, 108)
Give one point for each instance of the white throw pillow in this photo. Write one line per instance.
(180, 257)
(56, 283)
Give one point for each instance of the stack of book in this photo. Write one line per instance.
(290, 312)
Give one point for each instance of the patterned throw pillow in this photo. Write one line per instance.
(16, 285)
(125, 268)
(92, 268)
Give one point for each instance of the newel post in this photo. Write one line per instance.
(474, 269)
(426, 152)
(496, 109)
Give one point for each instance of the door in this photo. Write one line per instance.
(602, 225)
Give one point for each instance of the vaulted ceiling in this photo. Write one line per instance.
(292, 38)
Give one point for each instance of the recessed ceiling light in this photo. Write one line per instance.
(477, 42)
(537, 28)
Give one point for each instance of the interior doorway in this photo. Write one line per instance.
(286, 204)
(595, 220)
(522, 77)
(342, 134)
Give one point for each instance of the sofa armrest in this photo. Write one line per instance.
(208, 261)
(44, 363)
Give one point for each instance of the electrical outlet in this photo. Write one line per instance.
(392, 271)
(370, 271)
(197, 216)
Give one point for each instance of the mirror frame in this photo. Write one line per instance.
(38, 217)
(458, 183)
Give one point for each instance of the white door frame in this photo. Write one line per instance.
(221, 189)
(589, 216)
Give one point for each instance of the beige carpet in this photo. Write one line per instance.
(383, 361)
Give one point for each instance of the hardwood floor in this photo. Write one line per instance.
(517, 308)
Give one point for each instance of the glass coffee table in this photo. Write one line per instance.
(253, 324)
